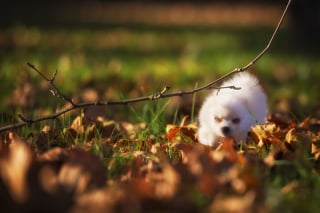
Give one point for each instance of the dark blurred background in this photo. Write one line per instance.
(305, 14)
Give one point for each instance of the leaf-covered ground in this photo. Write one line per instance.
(98, 165)
(137, 159)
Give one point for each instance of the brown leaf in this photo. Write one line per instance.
(164, 184)
(55, 155)
(181, 133)
(290, 136)
(46, 139)
(208, 184)
(189, 132)
(184, 121)
(267, 133)
(227, 148)
(111, 200)
(172, 132)
(23, 96)
(315, 148)
(48, 179)
(269, 160)
(77, 124)
(290, 187)
(132, 129)
(94, 114)
(283, 121)
(235, 204)
(14, 167)
(89, 95)
(109, 129)
(70, 134)
(305, 123)
(299, 142)
(81, 171)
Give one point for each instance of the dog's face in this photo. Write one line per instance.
(231, 120)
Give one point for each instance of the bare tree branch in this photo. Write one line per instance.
(159, 95)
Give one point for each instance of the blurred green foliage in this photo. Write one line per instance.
(130, 61)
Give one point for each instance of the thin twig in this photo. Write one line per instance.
(271, 39)
(251, 63)
(55, 92)
(159, 95)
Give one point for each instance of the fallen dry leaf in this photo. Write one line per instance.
(81, 171)
(235, 204)
(171, 173)
(14, 167)
(227, 148)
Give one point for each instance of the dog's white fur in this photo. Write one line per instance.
(231, 113)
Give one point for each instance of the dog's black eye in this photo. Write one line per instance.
(217, 119)
(236, 120)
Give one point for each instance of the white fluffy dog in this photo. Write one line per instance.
(231, 112)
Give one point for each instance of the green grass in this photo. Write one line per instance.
(128, 61)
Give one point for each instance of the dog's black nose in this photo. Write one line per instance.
(226, 130)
